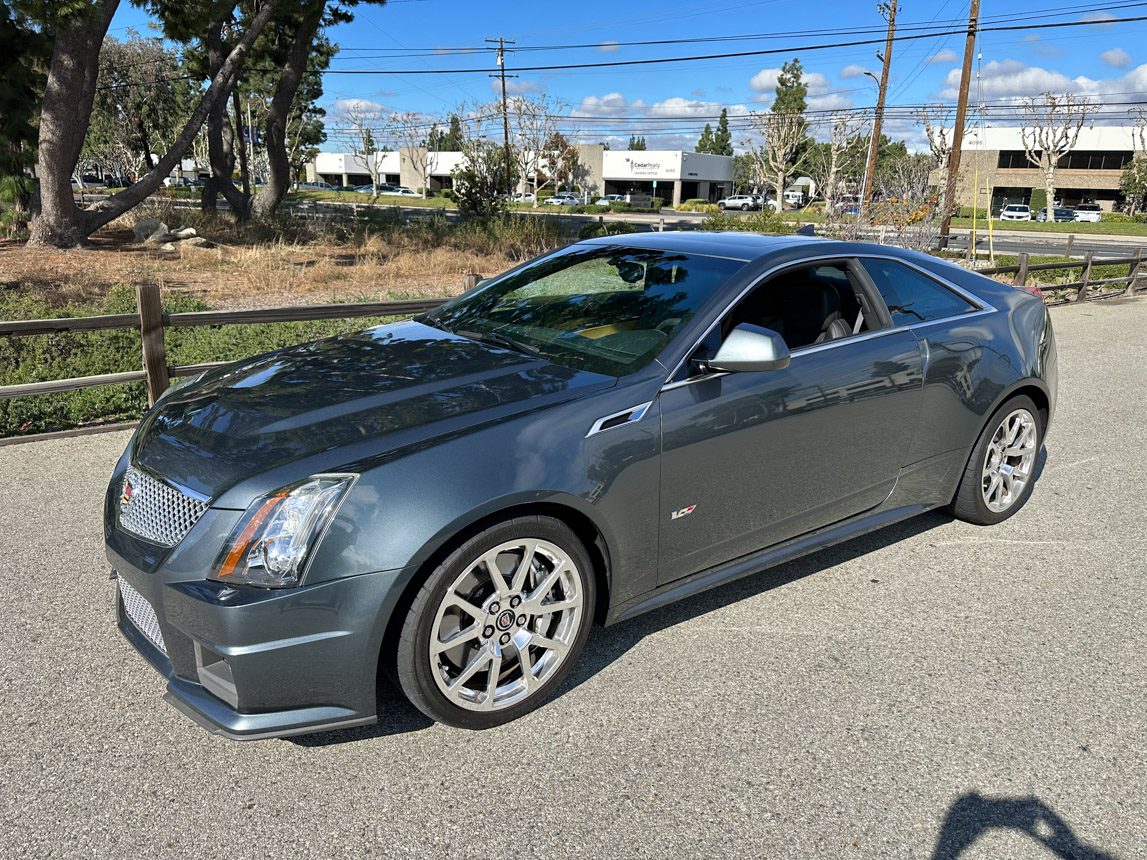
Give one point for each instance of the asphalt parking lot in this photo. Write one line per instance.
(933, 690)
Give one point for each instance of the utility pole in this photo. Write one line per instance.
(948, 201)
(888, 8)
(505, 111)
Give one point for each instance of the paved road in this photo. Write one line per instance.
(900, 697)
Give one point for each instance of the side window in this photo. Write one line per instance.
(805, 305)
(913, 297)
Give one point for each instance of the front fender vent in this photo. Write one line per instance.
(617, 419)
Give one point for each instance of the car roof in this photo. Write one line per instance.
(735, 244)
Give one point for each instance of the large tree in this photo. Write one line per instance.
(26, 49)
(143, 98)
(69, 93)
(791, 90)
(722, 142)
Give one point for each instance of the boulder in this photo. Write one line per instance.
(145, 228)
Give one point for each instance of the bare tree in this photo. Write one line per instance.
(830, 158)
(1051, 126)
(536, 144)
(935, 120)
(365, 125)
(778, 156)
(415, 146)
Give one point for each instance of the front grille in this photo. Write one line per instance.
(141, 614)
(155, 511)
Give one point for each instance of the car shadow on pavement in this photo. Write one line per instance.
(973, 815)
(606, 646)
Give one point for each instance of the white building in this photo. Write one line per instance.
(673, 175)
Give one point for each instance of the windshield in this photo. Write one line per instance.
(602, 308)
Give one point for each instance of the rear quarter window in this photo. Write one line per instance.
(913, 297)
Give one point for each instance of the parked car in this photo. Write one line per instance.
(370, 189)
(399, 191)
(606, 199)
(523, 197)
(176, 182)
(456, 499)
(744, 202)
(763, 201)
(1091, 212)
(563, 198)
(1016, 212)
(1058, 215)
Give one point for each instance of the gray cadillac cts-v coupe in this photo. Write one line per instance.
(455, 500)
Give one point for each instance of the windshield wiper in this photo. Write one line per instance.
(496, 339)
(433, 322)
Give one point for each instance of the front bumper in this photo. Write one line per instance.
(252, 663)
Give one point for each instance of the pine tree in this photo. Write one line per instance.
(722, 140)
(705, 141)
(791, 89)
(636, 143)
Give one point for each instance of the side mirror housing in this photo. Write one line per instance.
(750, 348)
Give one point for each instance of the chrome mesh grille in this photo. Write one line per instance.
(155, 511)
(141, 614)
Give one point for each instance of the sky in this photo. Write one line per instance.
(670, 103)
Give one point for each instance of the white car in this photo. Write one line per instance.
(609, 198)
(1016, 212)
(563, 198)
(400, 191)
(523, 197)
(1088, 212)
(177, 182)
(744, 202)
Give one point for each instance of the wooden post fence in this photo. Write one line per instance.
(1085, 281)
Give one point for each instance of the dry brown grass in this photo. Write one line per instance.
(366, 267)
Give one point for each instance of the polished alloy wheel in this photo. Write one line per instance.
(506, 624)
(1009, 460)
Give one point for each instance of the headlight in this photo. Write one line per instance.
(273, 541)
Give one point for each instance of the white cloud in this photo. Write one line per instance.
(608, 47)
(362, 107)
(678, 106)
(1099, 19)
(944, 56)
(1012, 79)
(517, 86)
(1117, 58)
(611, 104)
(853, 71)
(765, 81)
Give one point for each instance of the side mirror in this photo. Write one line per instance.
(750, 347)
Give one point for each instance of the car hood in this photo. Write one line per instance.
(388, 386)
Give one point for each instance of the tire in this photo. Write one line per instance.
(988, 491)
(721, 206)
(744, 207)
(453, 685)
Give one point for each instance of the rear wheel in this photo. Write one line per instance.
(1000, 474)
(498, 624)
(744, 207)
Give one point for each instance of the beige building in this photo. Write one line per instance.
(1090, 173)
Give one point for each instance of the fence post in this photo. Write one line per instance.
(151, 336)
(1070, 244)
(1081, 295)
(661, 226)
(1133, 272)
(470, 280)
(1021, 279)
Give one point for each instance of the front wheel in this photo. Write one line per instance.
(1000, 474)
(721, 206)
(744, 207)
(498, 624)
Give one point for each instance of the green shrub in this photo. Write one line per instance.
(590, 209)
(757, 222)
(60, 356)
(448, 193)
(605, 228)
(1038, 200)
(969, 212)
(619, 206)
(1121, 218)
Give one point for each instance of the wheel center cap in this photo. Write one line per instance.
(505, 620)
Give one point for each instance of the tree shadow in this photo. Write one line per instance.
(973, 815)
